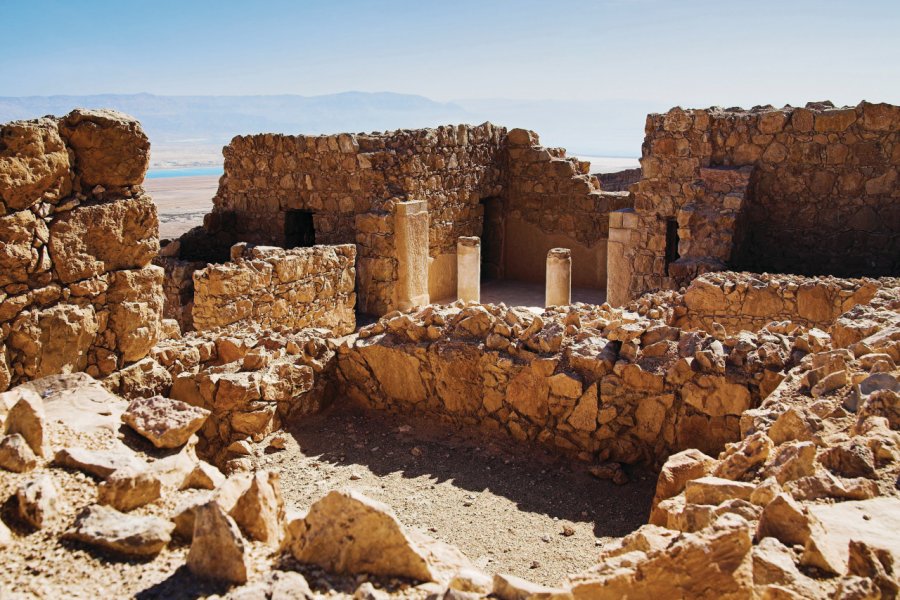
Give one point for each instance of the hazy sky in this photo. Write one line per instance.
(685, 52)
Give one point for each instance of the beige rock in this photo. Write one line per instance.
(674, 475)
(16, 455)
(144, 379)
(714, 563)
(259, 511)
(785, 520)
(510, 587)
(345, 532)
(99, 463)
(34, 164)
(111, 149)
(471, 580)
(37, 500)
(165, 422)
(794, 424)
(96, 238)
(873, 522)
(791, 461)
(130, 535)
(54, 340)
(127, 489)
(204, 476)
(217, 549)
(774, 564)
(743, 457)
(27, 418)
(715, 490)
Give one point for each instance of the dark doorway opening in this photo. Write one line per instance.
(671, 242)
(299, 231)
(492, 239)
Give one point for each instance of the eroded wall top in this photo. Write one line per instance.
(823, 196)
(77, 234)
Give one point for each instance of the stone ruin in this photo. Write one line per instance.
(748, 350)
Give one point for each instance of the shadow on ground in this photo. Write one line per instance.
(534, 479)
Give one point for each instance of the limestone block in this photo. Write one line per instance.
(34, 164)
(110, 147)
(93, 239)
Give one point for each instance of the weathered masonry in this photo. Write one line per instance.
(404, 199)
(811, 191)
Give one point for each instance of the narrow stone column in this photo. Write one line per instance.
(618, 266)
(411, 239)
(559, 277)
(468, 269)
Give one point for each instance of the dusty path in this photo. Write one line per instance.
(504, 506)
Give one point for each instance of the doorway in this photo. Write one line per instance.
(492, 239)
(299, 231)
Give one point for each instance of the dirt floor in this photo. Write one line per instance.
(508, 508)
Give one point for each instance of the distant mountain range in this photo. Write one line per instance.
(603, 128)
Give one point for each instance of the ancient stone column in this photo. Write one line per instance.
(559, 277)
(411, 242)
(618, 266)
(468, 269)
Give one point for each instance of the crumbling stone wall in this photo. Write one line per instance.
(77, 234)
(552, 201)
(619, 181)
(352, 183)
(822, 197)
(593, 382)
(746, 301)
(606, 384)
(267, 286)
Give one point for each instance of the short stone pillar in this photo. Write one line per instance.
(559, 277)
(411, 244)
(618, 265)
(468, 269)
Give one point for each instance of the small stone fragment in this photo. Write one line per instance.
(26, 417)
(99, 463)
(165, 422)
(128, 488)
(16, 455)
(37, 500)
(259, 511)
(217, 548)
(130, 535)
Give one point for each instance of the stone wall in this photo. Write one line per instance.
(594, 382)
(267, 286)
(619, 181)
(630, 385)
(552, 201)
(77, 234)
(746, 301)
(821, 198)
(350, 185)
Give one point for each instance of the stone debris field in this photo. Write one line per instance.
(274, 405)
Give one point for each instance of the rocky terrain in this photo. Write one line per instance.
(222, 428)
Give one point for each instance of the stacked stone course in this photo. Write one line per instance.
(823, 195)
(267, 286)
(77, 235)
(352, 184)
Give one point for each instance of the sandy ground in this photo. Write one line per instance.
(181, 202)
(507, 507)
